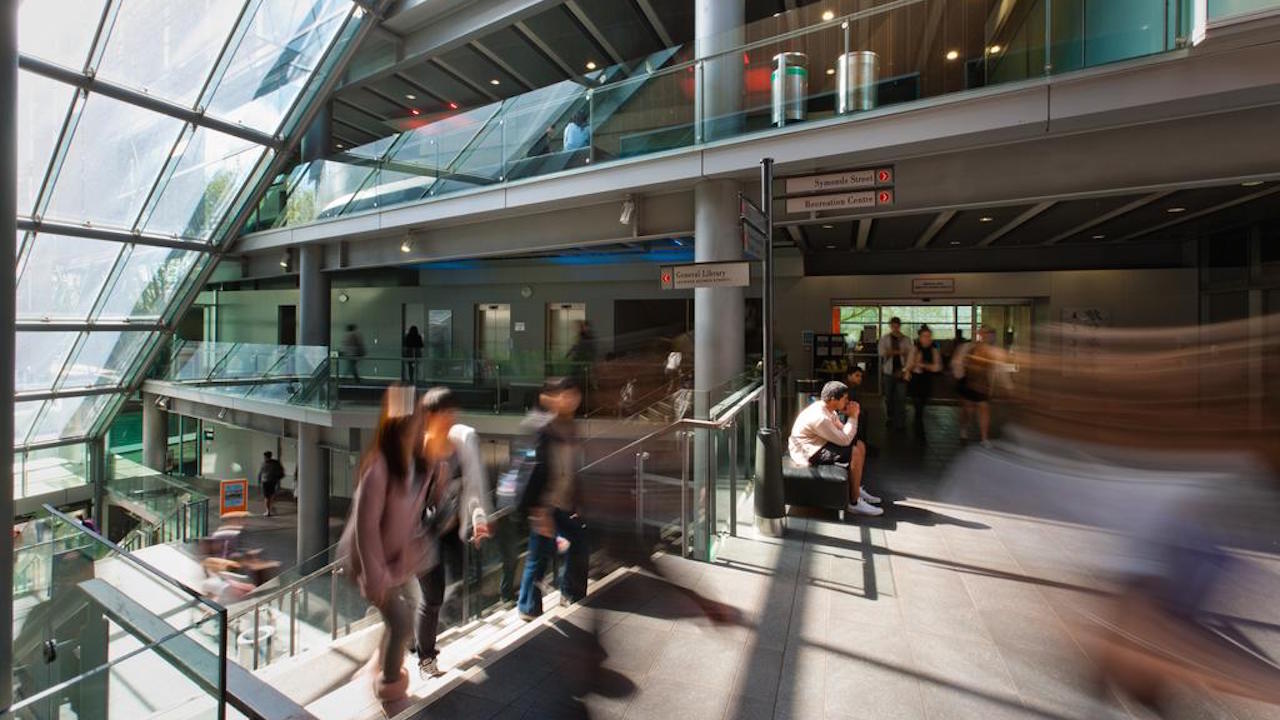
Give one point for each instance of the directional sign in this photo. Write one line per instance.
(863, 200)
(753, 241)
(752, 214)
(705, 275)
(850, 180)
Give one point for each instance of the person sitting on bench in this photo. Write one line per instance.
(819, 438)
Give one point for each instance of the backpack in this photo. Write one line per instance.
(514, 483)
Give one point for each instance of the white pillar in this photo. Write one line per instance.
(718, 27)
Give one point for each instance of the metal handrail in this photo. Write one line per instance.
(723, 422)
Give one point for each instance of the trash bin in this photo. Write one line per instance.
(857, 75)
(245, 647)
(790, 85)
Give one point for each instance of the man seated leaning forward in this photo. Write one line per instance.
(818, 437)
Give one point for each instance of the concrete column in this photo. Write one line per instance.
(719, 336)
(8, 229)
(718, 27)
(313, 297)
(155, 434)
(313, 497)
(315, 143)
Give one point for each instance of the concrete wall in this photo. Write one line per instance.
(236, 453)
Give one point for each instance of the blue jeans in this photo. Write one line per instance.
(573, 576)
(895, 401)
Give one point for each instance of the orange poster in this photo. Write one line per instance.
(234, 496)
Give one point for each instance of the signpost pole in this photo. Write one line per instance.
(770, 505)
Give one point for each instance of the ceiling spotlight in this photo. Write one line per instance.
(222, 413)
(1100, 236)
(828, 15)
(828, 227)
(955, 242)
(985, 218)
(1176, 210)
(284, 261)
(591, 64)
(453, 106)
(415, 111)
(953, 54)
(162, 403)
(340, 146)
(406, 247)
(1251, 183)
(495, 81)
(410, 96)
(994, 49)
(831, 247)
(831, 71)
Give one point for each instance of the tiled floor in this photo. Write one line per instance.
(932, 611)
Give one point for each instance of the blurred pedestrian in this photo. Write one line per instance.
(923, 365)
(978, 367)
(552, 499)
(381, 545)
(269, 477)
(893, 349)
(456, 511)
(352, 350)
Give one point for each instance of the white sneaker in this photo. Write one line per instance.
(864, 495)
(862, 508)
(429, 668)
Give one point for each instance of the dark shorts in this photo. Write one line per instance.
(269, 488)
(964, 390)
(832, 454)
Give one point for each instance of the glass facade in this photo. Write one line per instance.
(129, 178)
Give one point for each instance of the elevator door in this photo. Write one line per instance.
(563, 321)
(493, 333)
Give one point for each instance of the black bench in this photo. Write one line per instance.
(824, 486)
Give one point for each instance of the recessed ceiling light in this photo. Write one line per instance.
(955, 242)
(831, 247)
(406, 247)
(994, 49)
(828, 15)
(985, 218)
(415, 111)
(953, 54)
(827, 227)
(831, 71)
(1176, 210)
(591, 65)
(453, 106)
(410, 96)
(495, 81)
(340, 146)
(1251, 183)
(1100, 236)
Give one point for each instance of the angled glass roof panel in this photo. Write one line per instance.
(69, 417)
(115, 156)
(61, 32)
(103, 359)
(212, 170)
(42, 108)
(147, 283)
(39, 358)
(24, 413)
(285, 42)
(166, 48)
(63, 276)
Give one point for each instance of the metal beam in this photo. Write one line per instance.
(105, 88)
(77, 326)
(74, 392)
(419, 87)
(501, 64)
(362, 110)
(1016, 222)
(1122, 210)
(655, 22)
(532, 38)
(864, 233)
(387, 99)
(8, 311)
(1201, 213)
(615, 57)
(457, 74)
(940, 221)
(121, 236)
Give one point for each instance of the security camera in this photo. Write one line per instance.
(628, 209)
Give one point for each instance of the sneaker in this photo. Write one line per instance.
(862, 508)
(864, 495)
(429, 668)
(527, 617)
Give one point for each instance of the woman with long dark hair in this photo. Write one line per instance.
(923, 364)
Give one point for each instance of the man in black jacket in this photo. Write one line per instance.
(551, 499)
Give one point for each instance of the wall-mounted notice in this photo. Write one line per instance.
(933, 286)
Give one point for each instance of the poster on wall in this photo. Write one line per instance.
(1081, 341)
(234, 497)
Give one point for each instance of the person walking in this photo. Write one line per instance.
(893, 349)
(552, 499)
(923, 365)
(456, 511)
(381, 546)
(411, 351)
(352, 351)
(269, 477)
(977, 373)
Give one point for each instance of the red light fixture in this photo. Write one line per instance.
(453, 106)
(414, 111)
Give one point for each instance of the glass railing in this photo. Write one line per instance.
(289, 374)
(885, 56)
(99, 633)
(1223, 9)
(166, 510)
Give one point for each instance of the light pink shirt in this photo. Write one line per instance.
(816, 426)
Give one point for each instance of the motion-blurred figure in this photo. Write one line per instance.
(411, 350)
(923, 365)
(894, 349)
(269, 477)
(978, 368)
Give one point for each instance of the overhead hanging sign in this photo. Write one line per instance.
(863, 200)
(706, 275)
(848, 180)
(931, 286)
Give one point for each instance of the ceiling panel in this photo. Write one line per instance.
(481, 71)
(677, 17)
(623, 26)
(1162, 211)
(516, 52)
(445, 86)
(1063, 216)
(558, 30)
(830, 236)
(898, 233)
(970, 227)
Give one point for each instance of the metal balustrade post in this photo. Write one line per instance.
(293, 622)
(684, 494)
(333, 605)
(256, 615)
(640, 458)
(733, 479)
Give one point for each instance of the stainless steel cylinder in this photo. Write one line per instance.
(857, 75)
(790, 85)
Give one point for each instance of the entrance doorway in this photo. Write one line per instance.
(863, 323)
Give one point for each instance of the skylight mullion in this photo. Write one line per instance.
(98, 233)
(166, 172)
(311, 91)
(103, 34)
(227, 53)
(59, 154)
(109, 285)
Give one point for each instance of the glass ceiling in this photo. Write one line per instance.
(121, 206)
